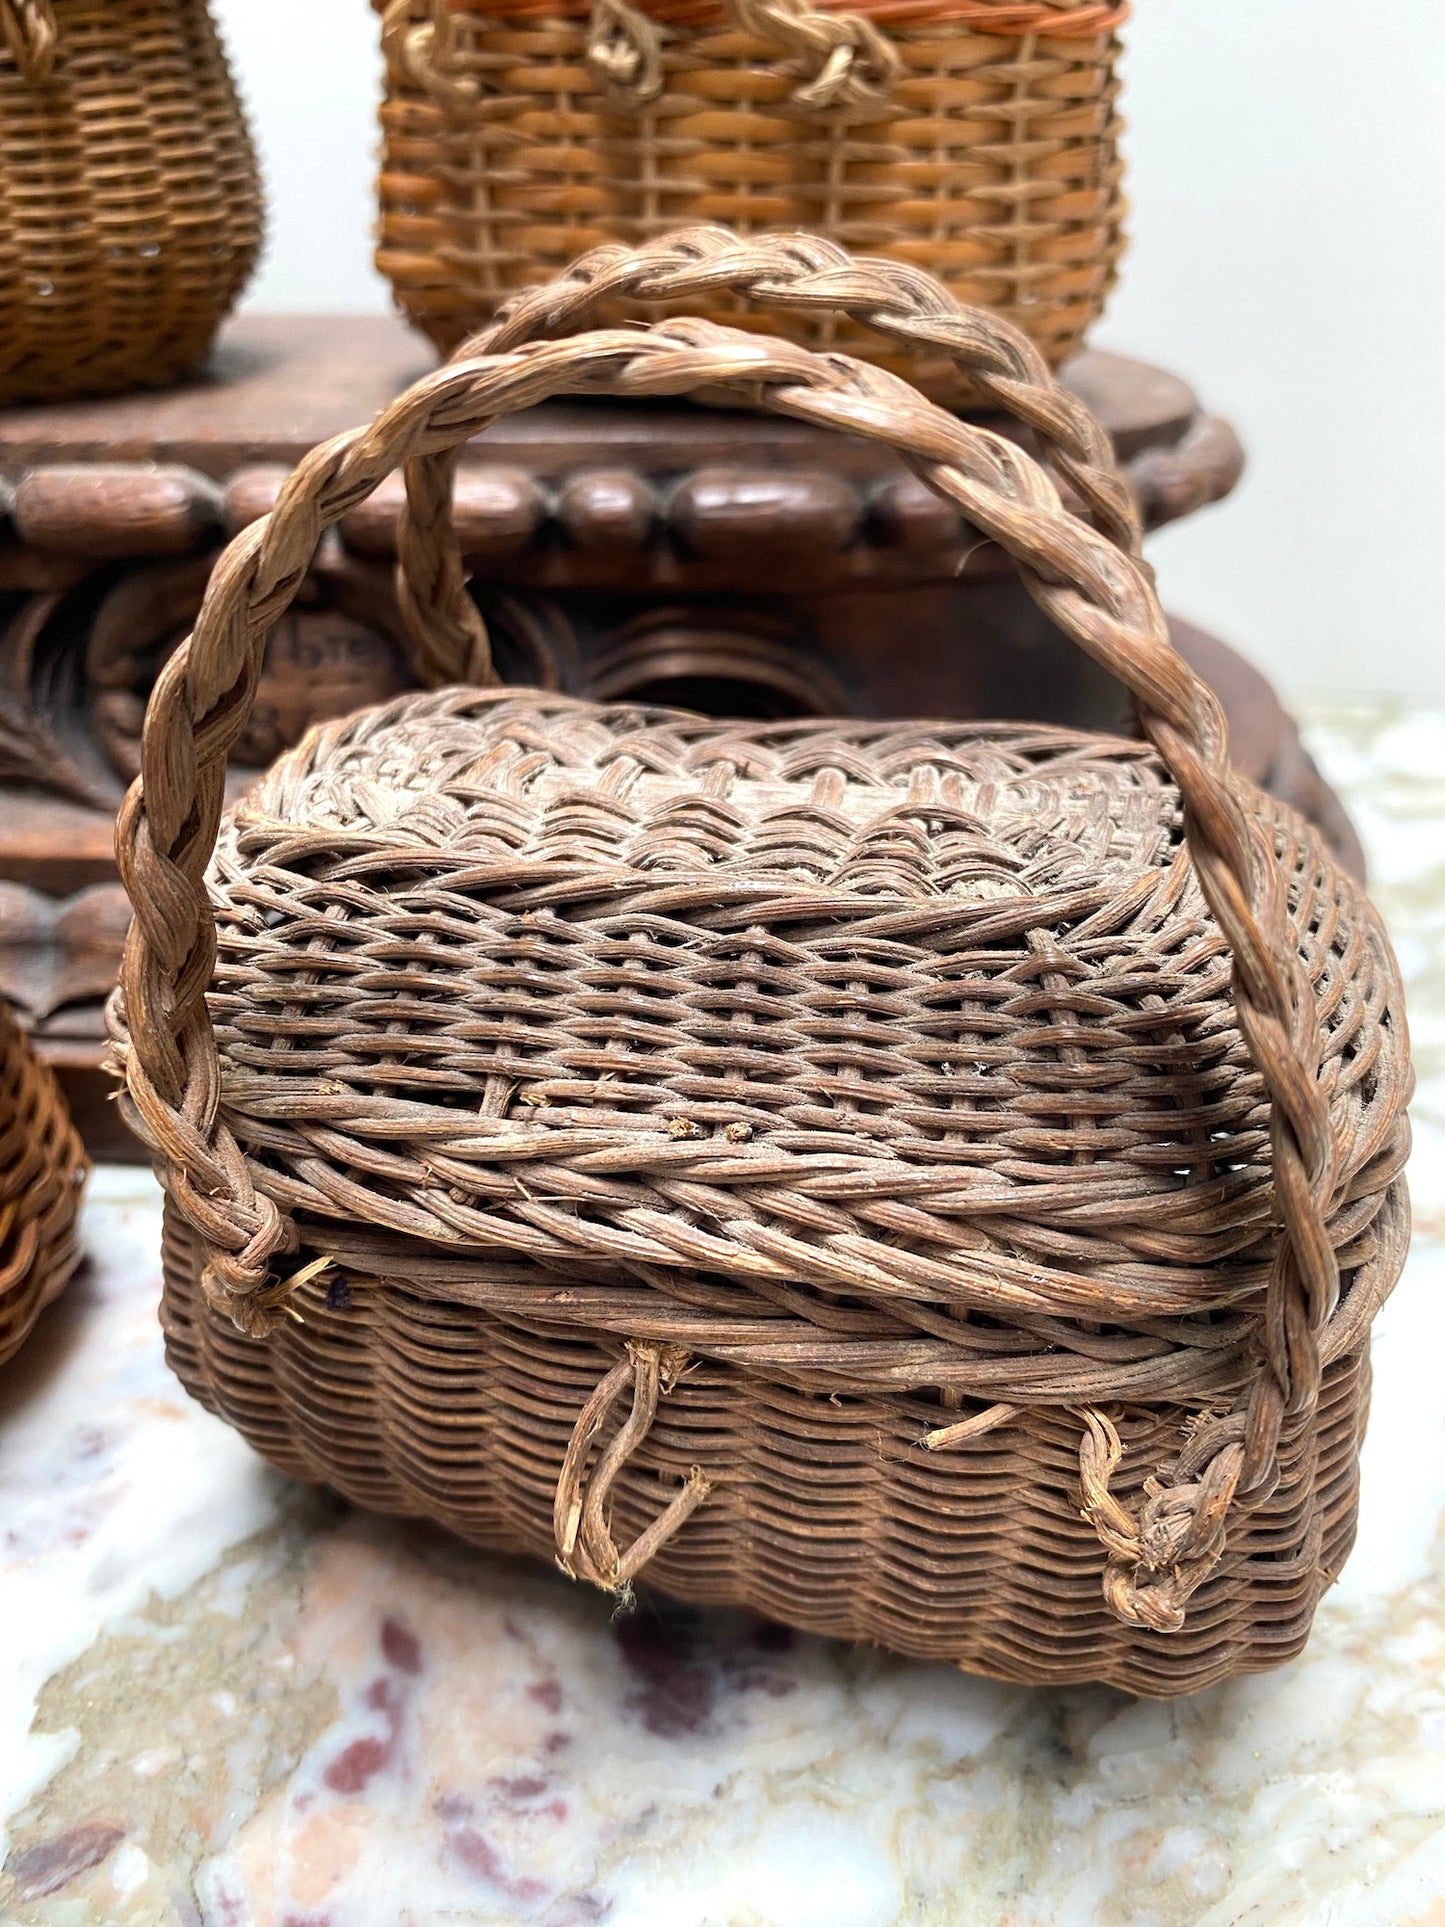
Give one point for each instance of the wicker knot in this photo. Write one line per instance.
(240, 1284)
(846, 60)
(240, 1281)
(1157, 1562)
(624, 51)
(425, 53)
(585, 1548)
(30, 34)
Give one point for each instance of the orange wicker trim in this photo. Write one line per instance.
(1014, 18)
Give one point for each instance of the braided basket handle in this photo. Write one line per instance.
(30, 33)
(807, 274)
(1100, 595)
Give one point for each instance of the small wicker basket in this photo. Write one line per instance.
(42, 1169)
(928, 1182)
(977, 139)
(130, 205)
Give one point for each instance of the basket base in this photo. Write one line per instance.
(825, 1514)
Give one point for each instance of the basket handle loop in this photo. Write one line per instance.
(846, 61)
(624, 52)
(1096, 593)
(30, 33)
(1154, 1563)
(843, 61)
(424, 52)
(809, 275)
(583, 1532)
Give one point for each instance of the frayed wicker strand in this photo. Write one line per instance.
(584, 1539)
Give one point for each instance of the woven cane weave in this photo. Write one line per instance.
(929, 1182)
(977, 139)
(825, 1514)
(130, 207)
(42, 1169)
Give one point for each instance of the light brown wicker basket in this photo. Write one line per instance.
(130, 206)
(977, 139)
(42, 1169)
(928, 1182)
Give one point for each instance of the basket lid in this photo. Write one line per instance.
(551, 800)
(471, 942)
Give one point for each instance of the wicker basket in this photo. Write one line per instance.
(928, 1182)
(976, 139)
(42, 1169)
(130, 207)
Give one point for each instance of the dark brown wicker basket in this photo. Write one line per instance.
(928, 1182)
(42, 1169)
(130, 204)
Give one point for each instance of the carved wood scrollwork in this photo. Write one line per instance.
(322, 660)
(42, 737)
(726, 661)
(59, 955)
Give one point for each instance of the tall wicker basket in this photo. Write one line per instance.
(977, 139)
(928, 1182)
(130, 205)
(42, 1169)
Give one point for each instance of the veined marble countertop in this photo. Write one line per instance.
(229, 1700)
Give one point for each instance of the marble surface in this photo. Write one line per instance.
(231, 1701)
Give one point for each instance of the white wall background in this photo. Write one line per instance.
(1288, 176)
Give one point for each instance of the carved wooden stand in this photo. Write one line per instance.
(726, 562)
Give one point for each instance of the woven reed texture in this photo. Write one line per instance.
(130, 204)
(1079, 1090)
(825, 1513)
(958, 1096)
(975, 140)
(42, 1170)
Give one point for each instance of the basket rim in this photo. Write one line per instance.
(1011, 19)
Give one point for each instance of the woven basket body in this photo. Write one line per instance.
(929, 1182)
(42, 1168)
(1053, 1061)
(130, 206)
(989, 159)
(825, 1513)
